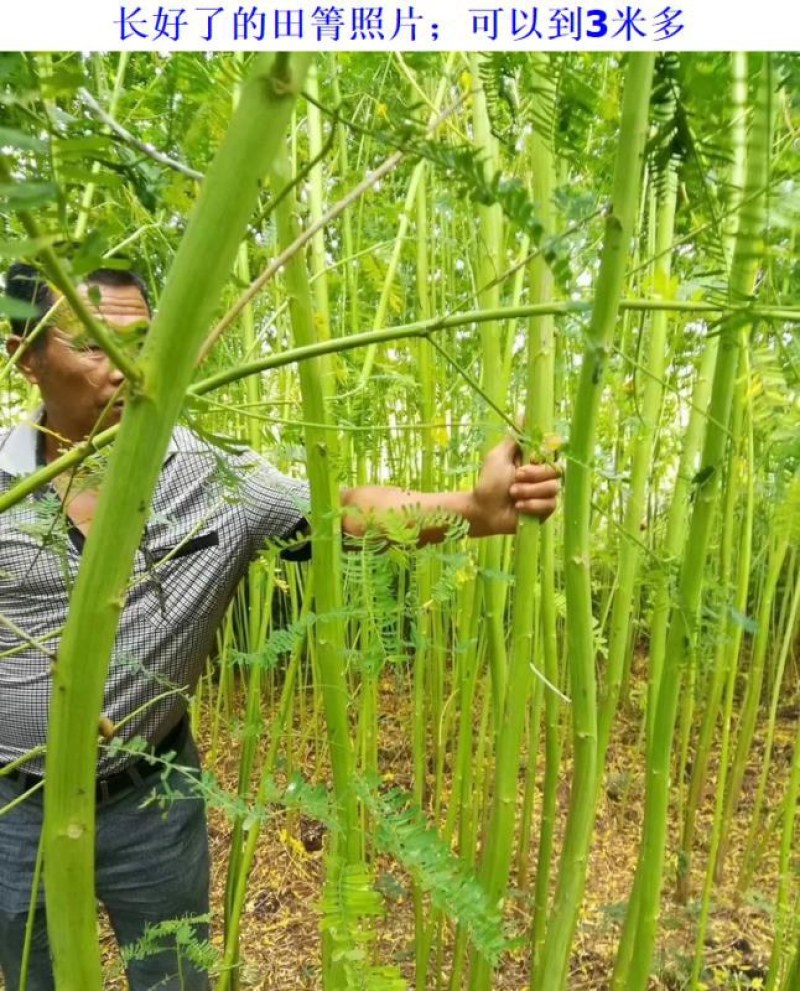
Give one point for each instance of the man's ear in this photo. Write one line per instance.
(27, 364)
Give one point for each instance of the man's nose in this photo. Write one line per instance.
(115, 375)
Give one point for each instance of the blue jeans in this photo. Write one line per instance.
(151, 867)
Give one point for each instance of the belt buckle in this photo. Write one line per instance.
(126, 779)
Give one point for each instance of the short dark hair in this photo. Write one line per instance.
(28, 284)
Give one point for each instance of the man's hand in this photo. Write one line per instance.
(507, 488)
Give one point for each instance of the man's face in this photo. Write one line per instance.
(81, 389)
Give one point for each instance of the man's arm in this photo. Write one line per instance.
(504, 490)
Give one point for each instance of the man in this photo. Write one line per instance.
(211, 514)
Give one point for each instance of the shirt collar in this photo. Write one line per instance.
(18, 450)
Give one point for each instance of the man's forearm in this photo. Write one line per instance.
(504, 491)
(427, 514)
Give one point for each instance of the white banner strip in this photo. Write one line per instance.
(424, 25)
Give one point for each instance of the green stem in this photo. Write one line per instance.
(194, 283)
(639, 930)
(730, 632)
(543, 184)
(577, 502)
(238, 895)
(756, 823)
(488, 262)
(752, 699)
(318, 349)
(783, 917)
(33, 908)
(88, 193)
(630, 553)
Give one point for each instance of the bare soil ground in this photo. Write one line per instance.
(280, 929)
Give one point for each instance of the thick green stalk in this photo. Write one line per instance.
(543, 183)
(693, 440)
(786, 314)
(724, 677)
(738, 126)
(541, 165)
(43, 67)
(677, 517)
(553, 705)
(323, 468)
(428, 655)
(639, 930)
(730, 632)
(716, 830)
(323, 474)
(779, 624)
(727, 651)
(255, 601)
(425, 569)
(491, 598)
(630, 552)
(349, 304)
(530, 745)
(428, 327)
(488, 264)
(367, 668)
(577, 507)
(193, 286)
(316, 201)
(423, 329)
(511, 691)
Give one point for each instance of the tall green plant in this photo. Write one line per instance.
(323, 472)
(194, 283)
(577, 507)
(511, 690)
(640, 923)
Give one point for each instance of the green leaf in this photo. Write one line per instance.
(28, 195)
(16, 308)
(80, 175)
(25, 247)
(84, 145)
(12, 138)
(350, 904)
(401, 830)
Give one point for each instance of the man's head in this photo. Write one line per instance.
(80, 388)
(27, 284)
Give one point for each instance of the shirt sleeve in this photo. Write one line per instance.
(275, 505)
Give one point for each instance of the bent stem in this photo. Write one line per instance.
(193, 286)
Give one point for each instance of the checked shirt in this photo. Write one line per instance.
(211, 514)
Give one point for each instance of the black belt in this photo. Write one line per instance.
(133, 776)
